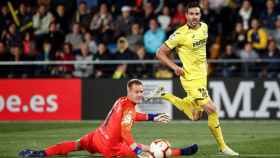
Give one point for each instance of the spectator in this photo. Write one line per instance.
(92, 4)
(28, 47)
(45, 55)
(5, 17)
(153, 38)
(16, 56)
(55, 37)
(90, 42)
(271, 70)
(62, 19)
(164, 19)
(249, 54)
(102, 20)
(238, 37)
(226, 24)
(179, 18)
(275, 34)
(148, 15)
(257, 36)
(82, 15)
(136, 37)
(157, 4)
(216, 4)
(246, 13)
(75, 37)
(229, 69)
(124, 53)
(24, 16)
(84, 70)
(44, 2)
(210, 17)
(103, 70)
(141, 70)
(4, 56)
(42, 20)
(269, 15)
(123, 22)
(66, 55)
(12, 36)
(102, 24)
(28, 53)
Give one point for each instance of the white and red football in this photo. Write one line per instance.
(160, 148)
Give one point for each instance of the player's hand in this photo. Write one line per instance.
(179, 71)
(139, 152)
(144, 154)
(197, 115)
(162, 117)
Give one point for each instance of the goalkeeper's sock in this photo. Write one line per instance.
(215, 128)
(182, 104)
(190, 150)
(61, 149)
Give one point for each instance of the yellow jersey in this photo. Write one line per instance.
(190, 44)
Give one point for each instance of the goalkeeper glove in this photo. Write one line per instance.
(160, 117)
(137, 150)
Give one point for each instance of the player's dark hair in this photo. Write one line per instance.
(193, 4)
(131, 82)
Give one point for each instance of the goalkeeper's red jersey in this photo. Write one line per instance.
(117, 126)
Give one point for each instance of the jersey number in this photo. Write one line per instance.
(203, 92)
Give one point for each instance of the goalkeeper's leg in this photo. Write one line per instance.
(62, 148)
(190, 150)
(59, 149)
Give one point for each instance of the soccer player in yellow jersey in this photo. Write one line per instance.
(189, 41)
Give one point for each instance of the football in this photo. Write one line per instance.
(160, 148)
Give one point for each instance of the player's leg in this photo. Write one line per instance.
(190, 150)
(184, 104)
(125, 150)
(58, 149)
(62, 148)
(84, 143)
(215, 128)
(198, 91)
(202, 100)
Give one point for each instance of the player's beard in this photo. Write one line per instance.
(193, 23)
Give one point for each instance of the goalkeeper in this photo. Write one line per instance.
(113, 137)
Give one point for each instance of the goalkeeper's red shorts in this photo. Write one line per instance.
(94, 142)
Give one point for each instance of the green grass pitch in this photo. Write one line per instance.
(250, 138)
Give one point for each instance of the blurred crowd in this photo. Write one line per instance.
(92, 30)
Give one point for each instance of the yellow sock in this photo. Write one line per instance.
(182, 104)
(215, 128)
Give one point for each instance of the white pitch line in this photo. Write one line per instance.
(253, 155)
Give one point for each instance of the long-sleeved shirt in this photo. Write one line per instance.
(118, 124)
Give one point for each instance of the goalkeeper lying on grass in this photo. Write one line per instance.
(113, 137)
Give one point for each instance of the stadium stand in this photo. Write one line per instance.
(94, 30)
